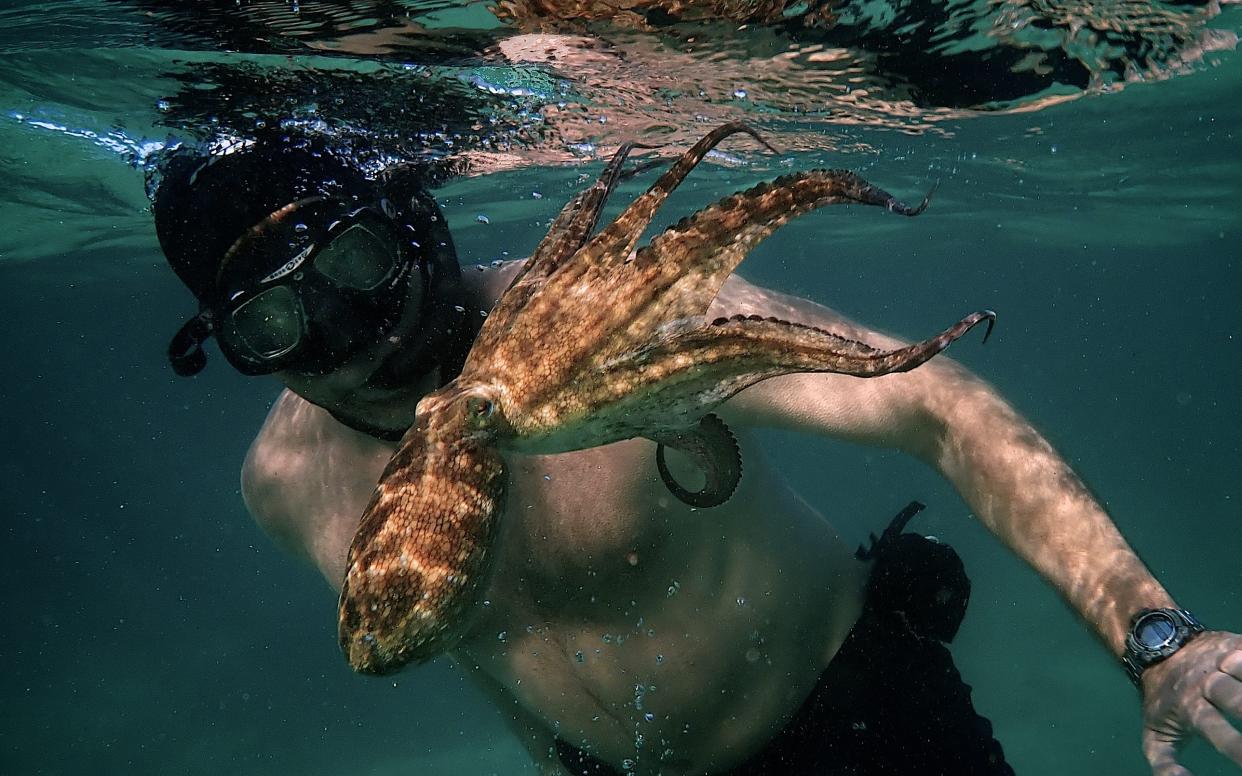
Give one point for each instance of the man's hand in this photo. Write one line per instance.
(1194, 691)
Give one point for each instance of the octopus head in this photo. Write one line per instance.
(422, 553)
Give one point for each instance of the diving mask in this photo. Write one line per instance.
(306, 289)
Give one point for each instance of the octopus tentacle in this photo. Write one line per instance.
(844, 344)
(694, 370)
(615, 243)
(714, 449)
(675, 277)
(594, 272)
(574, 224)
(567, 233)
(572, 227)
(702, 250)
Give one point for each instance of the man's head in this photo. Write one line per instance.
(302, 265)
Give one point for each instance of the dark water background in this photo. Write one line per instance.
(150, 628)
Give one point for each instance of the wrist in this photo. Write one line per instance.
(1154, 636)
(1125, 588)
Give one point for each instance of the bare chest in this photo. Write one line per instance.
(625, 619)
(591, 518)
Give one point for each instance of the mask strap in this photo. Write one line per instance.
(185, 351)
(273, 218)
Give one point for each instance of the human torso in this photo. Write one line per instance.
(622, 620)
(649, 631)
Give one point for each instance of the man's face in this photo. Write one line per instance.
(347, 385)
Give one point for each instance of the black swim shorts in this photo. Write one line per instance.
(891, 702)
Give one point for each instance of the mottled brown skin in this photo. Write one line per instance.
(411, 580)
(593, 343)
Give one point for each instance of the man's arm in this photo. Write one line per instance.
(1010, 476)
(306, 481)
(1021, 489)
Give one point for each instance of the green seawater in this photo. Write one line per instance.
(151, 628)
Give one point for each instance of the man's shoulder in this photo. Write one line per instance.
(294, 434)
(276, 468)
(296, 428)
(292, 421)
(276, 454)
(306, 470)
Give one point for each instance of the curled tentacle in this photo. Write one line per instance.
(714, 450)
(902, 209)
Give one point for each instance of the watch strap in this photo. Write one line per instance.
(1137, 657)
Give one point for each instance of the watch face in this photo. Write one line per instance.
(1155, 630)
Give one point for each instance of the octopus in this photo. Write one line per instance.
(592, 343)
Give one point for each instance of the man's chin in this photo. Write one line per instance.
(400, 373)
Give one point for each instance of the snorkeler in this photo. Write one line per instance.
(622, 631)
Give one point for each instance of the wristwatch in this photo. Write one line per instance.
(1154, 635)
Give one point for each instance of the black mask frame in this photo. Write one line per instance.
(335, 318)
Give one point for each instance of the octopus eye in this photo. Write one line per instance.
(479, 408)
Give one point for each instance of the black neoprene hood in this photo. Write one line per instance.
(203, 204)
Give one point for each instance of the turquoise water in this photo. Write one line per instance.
(152, 629)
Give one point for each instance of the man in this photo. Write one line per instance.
(623, 631)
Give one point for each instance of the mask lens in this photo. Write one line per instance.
(357, 258)
(271, 324)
